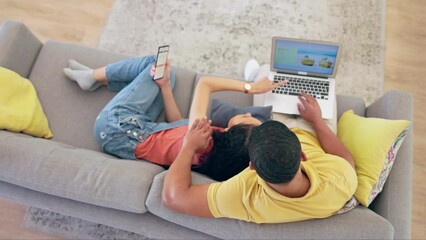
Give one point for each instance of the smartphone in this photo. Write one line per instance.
(160, 64)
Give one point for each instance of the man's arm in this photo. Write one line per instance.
(179, 194)
(311, 112)
(170, 107)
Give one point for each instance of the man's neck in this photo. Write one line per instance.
(298, 187)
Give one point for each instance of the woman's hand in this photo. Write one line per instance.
(165, 81)
(198, 136)
(309, 109)
(265, 85)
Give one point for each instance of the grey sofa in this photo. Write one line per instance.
(71, 176)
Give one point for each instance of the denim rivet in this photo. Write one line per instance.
(128, 131)
(135, 134)
(103, 135)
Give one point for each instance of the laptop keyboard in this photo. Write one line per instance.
(296, 85)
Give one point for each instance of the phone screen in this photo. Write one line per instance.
(160, 64)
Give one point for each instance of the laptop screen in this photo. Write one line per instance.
(304, 57)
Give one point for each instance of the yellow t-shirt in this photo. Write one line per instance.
(248, 197)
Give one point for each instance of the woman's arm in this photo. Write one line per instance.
(170, 107)
(208, 85)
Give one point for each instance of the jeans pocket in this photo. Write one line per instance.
(134, 128)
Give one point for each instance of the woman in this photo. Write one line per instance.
(126, 126)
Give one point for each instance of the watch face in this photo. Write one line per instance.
(247, 87)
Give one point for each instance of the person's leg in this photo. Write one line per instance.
(289, 120)
(125, 120)
(332, 123)
(116, 75)
(141, 97)
(251, 65)
(74, 65)
(122, 73)
(258, 73)
(295, 121)
(84, 76)
(136, 89)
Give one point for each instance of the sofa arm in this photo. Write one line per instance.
(394, 202)
(19, 47)
(345, 103)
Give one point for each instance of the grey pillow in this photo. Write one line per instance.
(222, 112)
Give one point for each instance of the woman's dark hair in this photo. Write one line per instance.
(229, 155)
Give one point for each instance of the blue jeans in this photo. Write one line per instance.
(129, 117)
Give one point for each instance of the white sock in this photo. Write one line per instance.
(84, 78)
(74, 65)
(259, 73)
(250, 67)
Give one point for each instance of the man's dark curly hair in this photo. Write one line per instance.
(229, 155)
(275, 152)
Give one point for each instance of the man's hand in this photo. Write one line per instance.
(309, 109)
(198, 136)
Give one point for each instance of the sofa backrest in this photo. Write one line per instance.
(71, 111)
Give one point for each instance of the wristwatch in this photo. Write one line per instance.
(247, 87)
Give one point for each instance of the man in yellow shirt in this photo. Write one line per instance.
(316, 189)
(293, 175)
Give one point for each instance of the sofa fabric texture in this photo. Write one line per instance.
(19, 48)
(330, 228)
(79, 174)
(70, 175)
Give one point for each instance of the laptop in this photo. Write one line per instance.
(309, 66)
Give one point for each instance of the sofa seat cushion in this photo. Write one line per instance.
(78, 174)
(368, 224)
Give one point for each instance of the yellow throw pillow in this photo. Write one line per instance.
(373, 143)
(20, 109)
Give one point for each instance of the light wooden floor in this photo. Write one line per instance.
(405, 69)
(80, 21)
